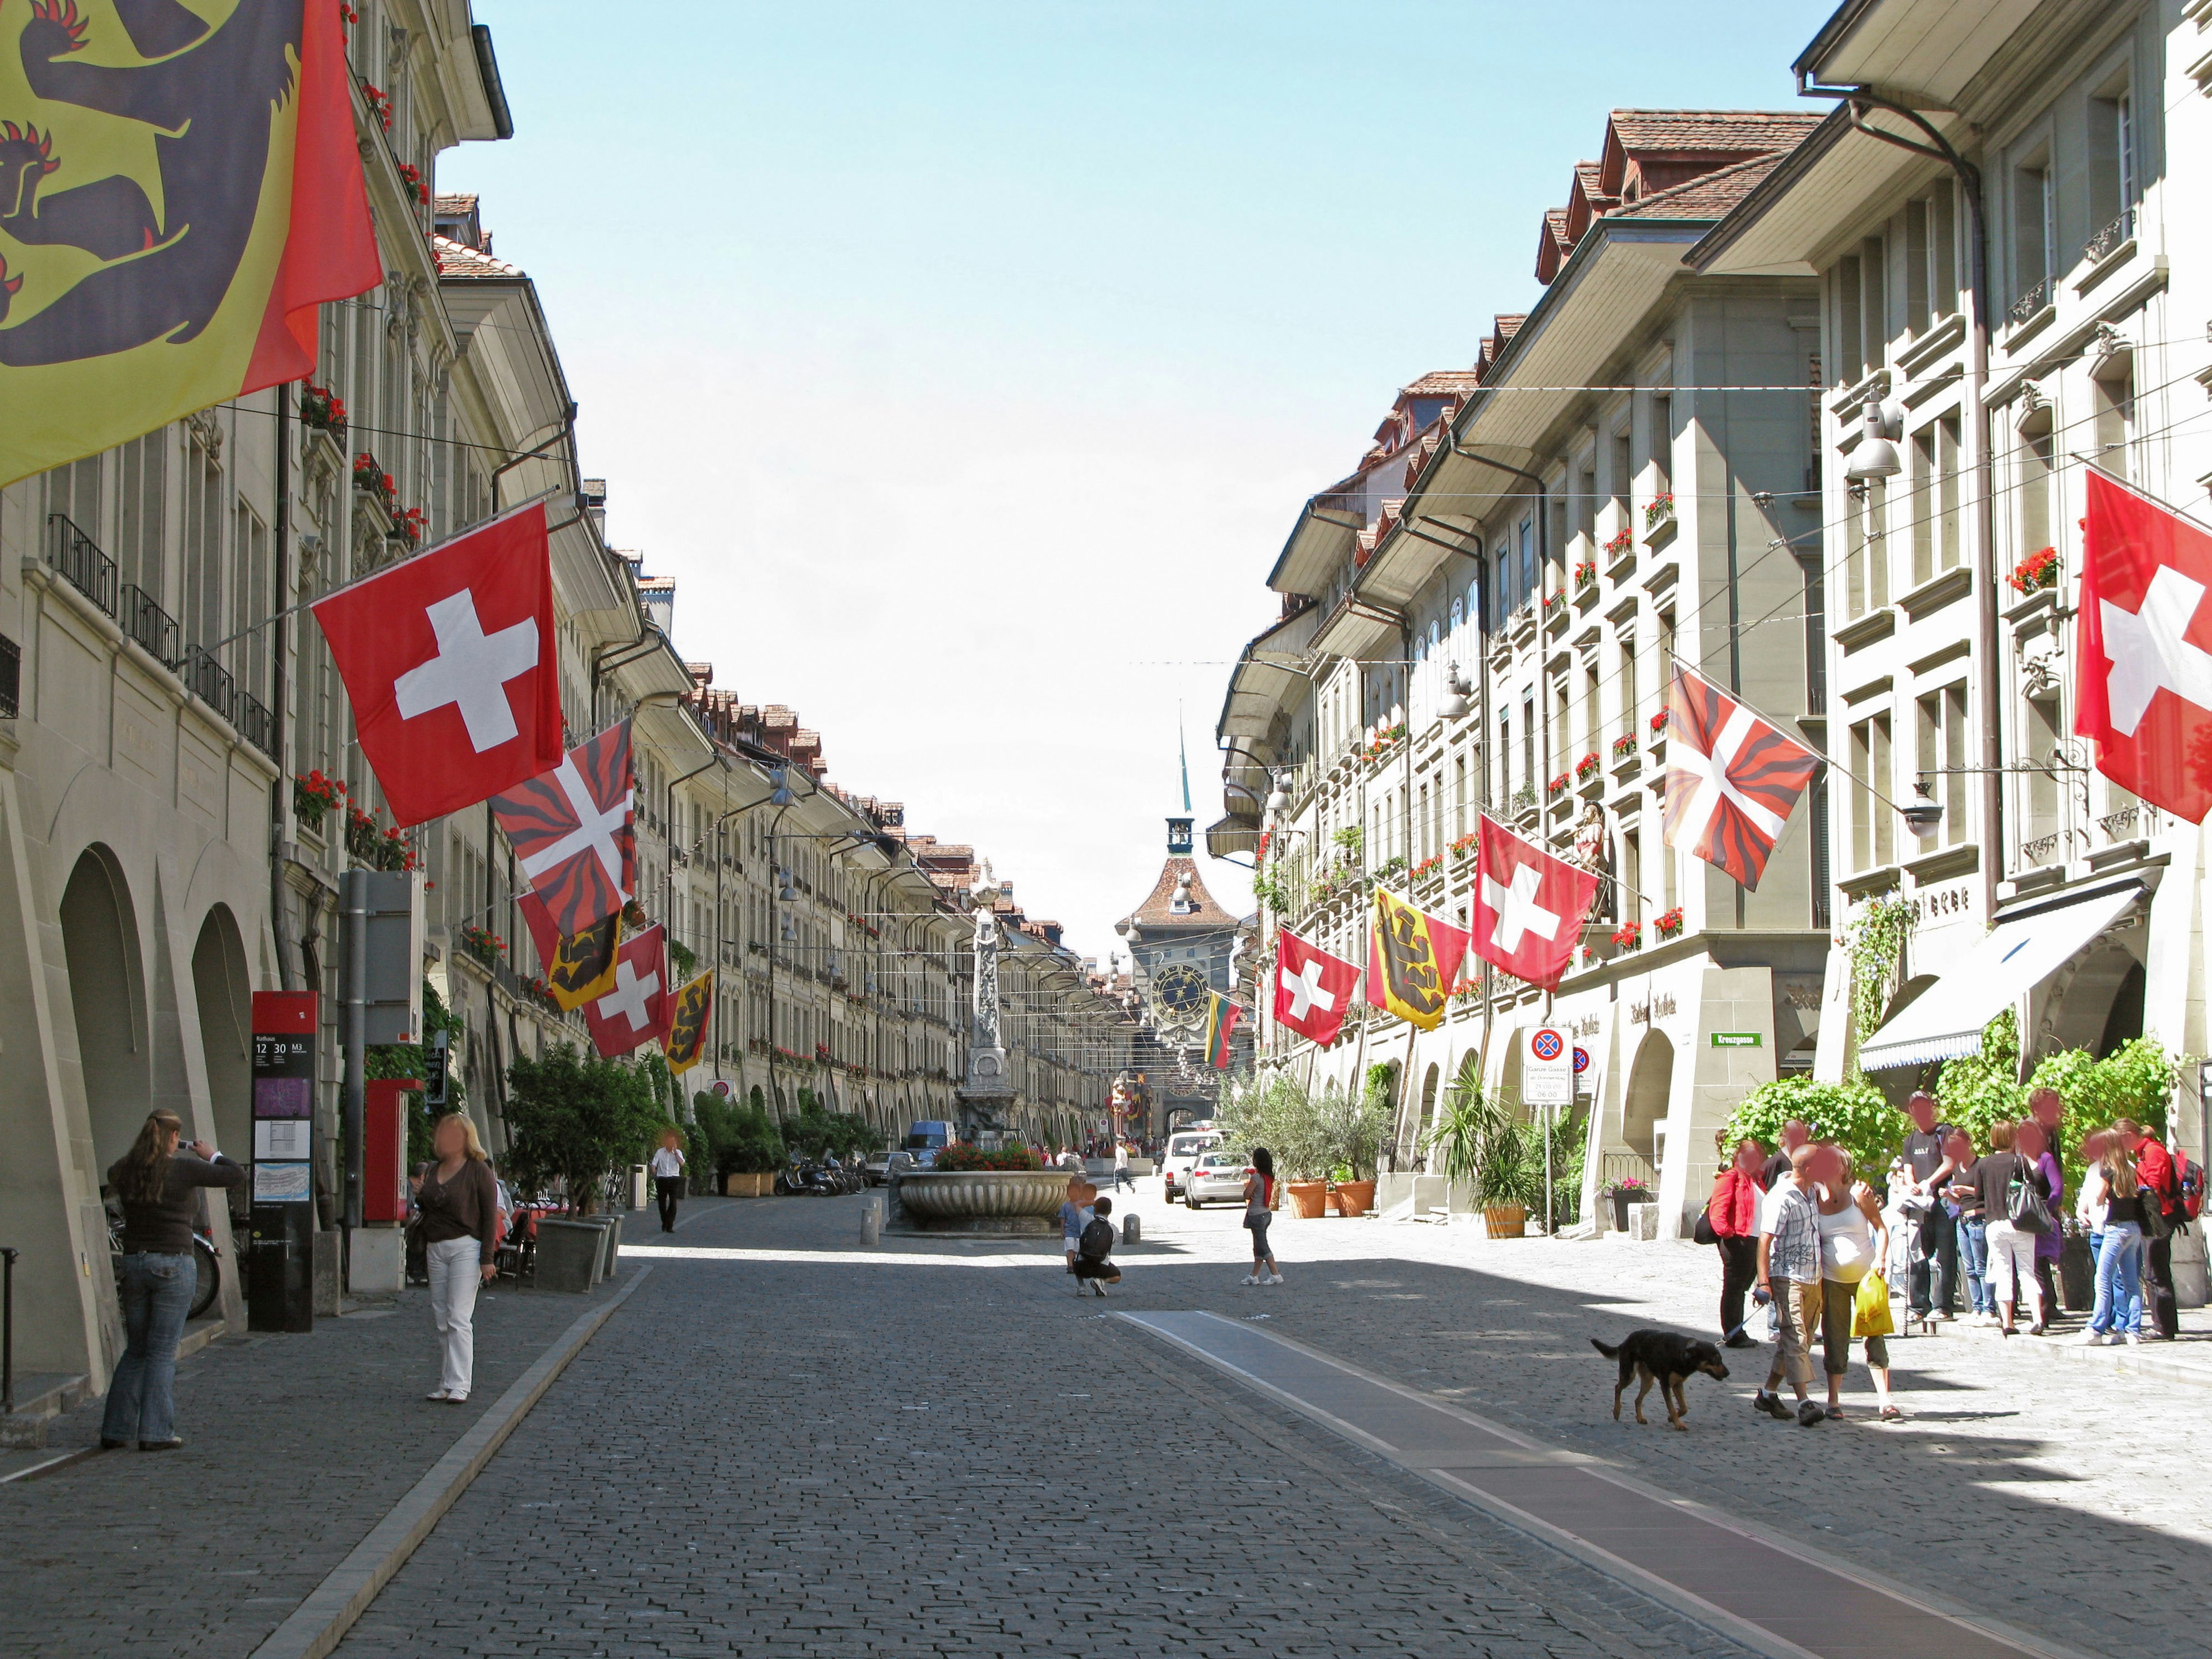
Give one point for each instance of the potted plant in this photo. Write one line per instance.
(313, 796)
(1353, 1128)
(1629, 1190)
(2035, 573)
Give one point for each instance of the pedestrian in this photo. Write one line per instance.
(158, 1185)
(1732, 1212)
(1789, 1277)
(668, 1176)
(1932, 1170)
(1122, 1177)
(1972, 1229)
(2161, 1190)
(2041, 1127)
(2012, 1247)
(1259, 1199)
(2114, 1198)
(1075, 1213)
(458, 1203)
(1854, 1242)
(1093, 1264)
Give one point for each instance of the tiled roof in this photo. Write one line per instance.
(1707, 198)
(456, 259)
(442, 203)
(1204, 912)
(1712, 130)
(1441, 381)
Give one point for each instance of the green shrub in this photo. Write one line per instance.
(576, 1116)
(1853, 1115)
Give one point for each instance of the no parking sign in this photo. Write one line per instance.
(1547, 1068)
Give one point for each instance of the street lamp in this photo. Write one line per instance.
(1876, 455)
(1455, 705)
(1278, 798)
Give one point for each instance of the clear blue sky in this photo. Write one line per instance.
(966, 364)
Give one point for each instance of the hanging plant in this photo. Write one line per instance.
(1877, 942)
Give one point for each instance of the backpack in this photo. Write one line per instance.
(2025, 1204)
(2190, 1181)
(1097, 1241)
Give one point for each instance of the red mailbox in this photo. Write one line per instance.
(384, 1171)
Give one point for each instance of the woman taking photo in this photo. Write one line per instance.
(458, 1204)
(158, 1185)
(1259, 1199)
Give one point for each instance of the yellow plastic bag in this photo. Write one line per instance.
(1870, 1315)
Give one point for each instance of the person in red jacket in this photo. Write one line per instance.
(1733, 1212)
(2158, 1186)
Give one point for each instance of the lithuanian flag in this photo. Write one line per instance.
(1412, 960)
(179, 193)
(1221, 1017)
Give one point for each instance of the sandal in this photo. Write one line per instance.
(1837, 1412)
(1890, 1414)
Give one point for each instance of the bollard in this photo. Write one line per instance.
(872, 1222)
(1130, 1231)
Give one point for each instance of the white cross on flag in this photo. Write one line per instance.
(1313, 988)
(572, 834)
(1529, 906)
(447, 658)
(637, 1010)
(1731, 778)
(2145, 648)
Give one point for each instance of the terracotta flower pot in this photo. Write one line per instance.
(1309, 1199)
(1505, 1221)
(1355, 1198)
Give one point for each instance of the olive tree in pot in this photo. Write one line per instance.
(576, 1116)
(1353, 1128)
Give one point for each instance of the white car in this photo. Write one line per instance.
(1215, 1176)
(1184, 1149)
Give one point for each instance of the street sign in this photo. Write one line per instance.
(436, 1057)
(721, 1088)
(1582, 1059)
(1736, 1039)
(1547, 1068)
(280, 1253)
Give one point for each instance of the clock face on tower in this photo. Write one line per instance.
(1179, 995)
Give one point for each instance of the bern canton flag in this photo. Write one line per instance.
(177, 196)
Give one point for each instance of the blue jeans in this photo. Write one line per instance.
(141, 1395)
(1974, 1261)
(2119, 1279)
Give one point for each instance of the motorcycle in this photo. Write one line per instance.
(799, 1177)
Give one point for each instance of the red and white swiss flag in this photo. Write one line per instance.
(1313, 988)
(448, 659)
(2144, 639)
(638, 1009)
(1529, 906)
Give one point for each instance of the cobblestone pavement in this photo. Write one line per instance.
(924, 1454)
(295, 1446)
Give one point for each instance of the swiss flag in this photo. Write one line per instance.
(637, 1010)
(1312, 988)
(1732, 779)
(1529, 906)
(572, 831)
(448, 659)
(2145, 648)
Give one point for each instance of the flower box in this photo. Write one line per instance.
(1668, 924)
(1586, 769)
(1559, 786)
(1629, 936)
(2035, 573)
(1624, 745)
(1657, 723)
(1621, 542)
(1586, 573)
(1658, 510)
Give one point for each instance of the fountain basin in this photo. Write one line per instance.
(983, 1200)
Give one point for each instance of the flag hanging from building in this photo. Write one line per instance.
(1527, 907)
(1221, 1017)
(1731, 778)
(448, 658)
(573, 832)
(637, 1009)
(580, 968)
(687, 1029)
(2144, 694)
(1313, 989)
(1411, 959)
(177, 199)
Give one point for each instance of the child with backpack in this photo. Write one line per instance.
(1093, 1249)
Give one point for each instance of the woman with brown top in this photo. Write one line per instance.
(458, 1203)
(159, 1187)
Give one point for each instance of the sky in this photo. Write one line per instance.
(966, 365)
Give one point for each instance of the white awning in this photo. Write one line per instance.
(1946, 1020)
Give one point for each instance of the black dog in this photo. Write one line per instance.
(1663, 1358)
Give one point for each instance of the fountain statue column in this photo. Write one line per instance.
(986, 1085)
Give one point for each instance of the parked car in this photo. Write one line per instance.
(1184, 1147)
(877, 1166)
(1214, 1176)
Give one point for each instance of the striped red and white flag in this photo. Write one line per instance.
(1732, 779)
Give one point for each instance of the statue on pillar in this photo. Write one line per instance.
(986, 1052)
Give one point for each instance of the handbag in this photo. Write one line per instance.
(1871, 1312)
(2024, 1203)
(1702, 1232)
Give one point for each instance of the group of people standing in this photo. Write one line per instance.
(1799, 1229)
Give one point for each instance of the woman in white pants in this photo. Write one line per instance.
(2012, 1251)
(458, 1203)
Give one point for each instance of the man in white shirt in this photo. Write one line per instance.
(668, 1176)
(1122, 1177)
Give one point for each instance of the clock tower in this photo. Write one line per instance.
(1181, 943)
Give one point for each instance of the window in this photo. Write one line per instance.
(140, 499)
(1502, 605)
(1632, 876)
(1850, 354)
(2113, 396)
(1528, 742)
(1527, 546)
(1941, 740)
(1459, 797)
(1593, 730)
(1624, 462)
(2032, 460)
(2039, 783)
(2112, 172)
(1947, 492)
(1629, 712)
(1916, 268)
(1873, 834)
(2034, 235)
(1874, 295)
(1922, 506)
(1662, 445)
(1586, 499)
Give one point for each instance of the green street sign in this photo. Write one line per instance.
(1736, 1039)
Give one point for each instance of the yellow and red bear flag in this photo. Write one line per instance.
(1413, 957)
(180, 188)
